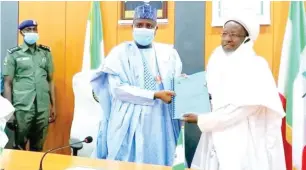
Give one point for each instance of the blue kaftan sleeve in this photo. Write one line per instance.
(131, 94)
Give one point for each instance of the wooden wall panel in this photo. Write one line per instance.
(51, 28)
(110, 24)
(76, 19)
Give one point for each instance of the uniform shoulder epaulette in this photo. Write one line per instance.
(44, 47)
(14, 49)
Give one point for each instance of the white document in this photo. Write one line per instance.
(191, 95)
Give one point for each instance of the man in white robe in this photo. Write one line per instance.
(243, 130)
(133, 92)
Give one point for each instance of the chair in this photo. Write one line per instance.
(86, 116)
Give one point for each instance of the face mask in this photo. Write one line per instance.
(30, 38)
(143, 36)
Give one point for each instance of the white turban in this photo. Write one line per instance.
(248, 21)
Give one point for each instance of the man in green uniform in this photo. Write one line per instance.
(29, 87)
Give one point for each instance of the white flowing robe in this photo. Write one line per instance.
(243, 131)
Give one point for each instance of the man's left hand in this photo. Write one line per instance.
(190, 118)
(52, 114)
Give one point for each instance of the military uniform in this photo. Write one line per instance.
(30, 68)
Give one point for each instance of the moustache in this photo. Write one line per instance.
(230, 44)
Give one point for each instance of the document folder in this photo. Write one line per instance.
(191, 95)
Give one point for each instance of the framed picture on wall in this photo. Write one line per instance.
(128, 7)
(221, 9)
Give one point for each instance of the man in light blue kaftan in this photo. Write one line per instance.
(134, 94)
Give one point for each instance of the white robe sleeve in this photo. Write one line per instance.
(224, 117)
(131, 94)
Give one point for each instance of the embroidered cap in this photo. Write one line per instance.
(145, 11)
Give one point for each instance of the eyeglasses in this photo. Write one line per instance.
(231, 35)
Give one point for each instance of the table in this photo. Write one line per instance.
(26, 160)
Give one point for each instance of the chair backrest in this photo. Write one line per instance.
(87, 112)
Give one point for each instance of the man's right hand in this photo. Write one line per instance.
(164, 95)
